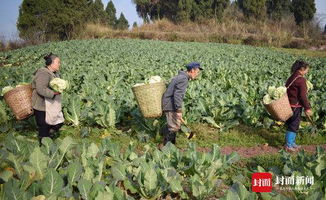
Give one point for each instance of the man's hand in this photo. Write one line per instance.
(179, 115)
(308, 112)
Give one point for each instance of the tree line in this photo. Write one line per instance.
(197, 10)
(59, 19)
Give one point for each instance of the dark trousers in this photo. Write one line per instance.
(168, 136)
(43, 127)
(293, 122)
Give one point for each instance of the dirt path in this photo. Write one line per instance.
(248, 152)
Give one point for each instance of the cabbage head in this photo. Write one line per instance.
(59, 85)
(310, 86)
(5, 90)
(155, 79)
(274, 93)
(151, 80)
(267, 99)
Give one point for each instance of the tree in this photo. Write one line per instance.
(180, 10)
(111, 14)
(253, 8)
(184, 10)
(212, 9)
(45, 20)
(33, 18)
(147, 9)
(122, 23)
(135, 25)
(97, 12)
(276, 9)
(303, 10)
(165, 9)
(71, 18)
(219, 7)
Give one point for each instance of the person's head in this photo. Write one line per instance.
(300, 66)
(52, 62)
(193, 69)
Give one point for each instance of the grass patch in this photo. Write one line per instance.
(307, 139)
(243, 136)
(266, 161)
(303, 52)
(205, 136)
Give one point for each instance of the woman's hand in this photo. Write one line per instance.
(308, 112)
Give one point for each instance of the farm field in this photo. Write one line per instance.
(107, 150)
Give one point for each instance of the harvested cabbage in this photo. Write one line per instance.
(267, 99)
(310, 86)
(155, 79)
(59, 85)
(5, 90)
(151, 80)
(139, 84)
(274, 94)
(22, 84)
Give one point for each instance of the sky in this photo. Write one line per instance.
(9, 14)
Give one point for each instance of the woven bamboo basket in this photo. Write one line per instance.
(19, 100)
(149, 99)
(280, 109)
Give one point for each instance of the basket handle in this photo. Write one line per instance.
(293, 81)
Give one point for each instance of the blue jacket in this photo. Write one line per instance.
(173, 97)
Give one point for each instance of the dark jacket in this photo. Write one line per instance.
(297, 92)
(41, 89)
(173, 96)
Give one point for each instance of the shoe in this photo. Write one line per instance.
(290, 149)
(160, 146)
(40, 141)
(296, 146)
(166, 139)
(173, 137)
(169, 137)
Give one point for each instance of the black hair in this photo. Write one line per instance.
(298, 64)
(49, 58)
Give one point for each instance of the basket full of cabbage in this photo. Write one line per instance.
(19, 99)
(277, 103)
(149, 96)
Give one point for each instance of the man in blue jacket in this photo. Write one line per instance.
(173, 99)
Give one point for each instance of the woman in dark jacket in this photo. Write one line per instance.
(297, 93)
(41, 90)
